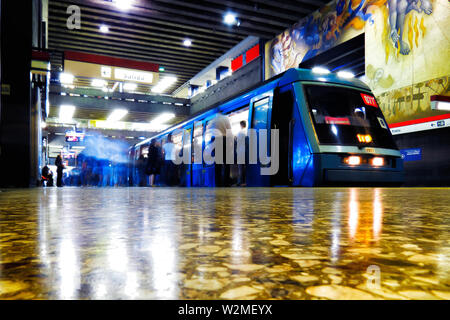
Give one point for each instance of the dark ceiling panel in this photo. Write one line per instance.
(153, 31)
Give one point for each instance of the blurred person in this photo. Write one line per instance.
(221, 123)
(153, 162)
(141, 170)
(241, 150)
(59, 170)
(169, 158)
(47, 176)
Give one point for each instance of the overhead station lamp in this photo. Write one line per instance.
(66, 78)
(162, 119)
(187, 42)
(99, 83)
(160, 122)
(123, 4)
(164, 84)
(66, 113)
(104, 28)
(130, 87)
(231, 19)
(439, 102)
(117, 115)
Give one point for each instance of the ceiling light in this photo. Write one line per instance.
(164, 84)
(320, 70)
(440, 103)
(345, 74)
(230, 19)
(187, 42)
(98, 83)
(130, 86)
(163, 118)
(66, 113)
(66, 78)
(117, 115)
(104, 28)
(123, 4)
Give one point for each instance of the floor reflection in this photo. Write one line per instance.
(256, 243)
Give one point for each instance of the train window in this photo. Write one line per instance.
(260, 113)
(236, 118)
(340, 114)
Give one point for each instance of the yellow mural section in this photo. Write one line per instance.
(407, 56)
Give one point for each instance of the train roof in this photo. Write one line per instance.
(287, 77)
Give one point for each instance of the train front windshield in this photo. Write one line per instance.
(345, 116)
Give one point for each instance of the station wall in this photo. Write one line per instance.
(242, 79)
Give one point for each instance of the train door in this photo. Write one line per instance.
(185, 168)
(294, 148)
(260, 114)
(283, 120)
(197, 145)
(209, 170)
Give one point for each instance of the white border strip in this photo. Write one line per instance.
(436, 124)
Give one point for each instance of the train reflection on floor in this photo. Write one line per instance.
(255, 243)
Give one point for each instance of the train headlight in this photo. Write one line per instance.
(353, 160)
(378, 162)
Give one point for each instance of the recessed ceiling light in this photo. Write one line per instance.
(98, 83)
(66, 113)
(123, 4)
(187, 42)
(104, 29)
(130, 86)
(117, 115)
(66, 78)
(164, 84)
(230, 19)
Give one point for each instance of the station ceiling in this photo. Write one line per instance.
(154, 31)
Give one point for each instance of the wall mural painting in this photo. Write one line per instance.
(407, 48)
(413, 102)
(336, 22)
(407, 54)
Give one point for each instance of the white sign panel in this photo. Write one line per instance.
(129, 75)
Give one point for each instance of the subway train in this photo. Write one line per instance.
(331, 131)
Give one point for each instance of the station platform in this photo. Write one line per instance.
(236, 243)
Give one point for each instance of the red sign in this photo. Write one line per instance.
(369, 100)
(237, 63)
(342, 121)
(252, 54)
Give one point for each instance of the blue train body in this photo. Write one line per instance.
(331, 133)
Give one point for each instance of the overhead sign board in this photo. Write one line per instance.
(91, 70)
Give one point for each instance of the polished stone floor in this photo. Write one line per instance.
(277, 243)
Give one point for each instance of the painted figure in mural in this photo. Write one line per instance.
(398, 9)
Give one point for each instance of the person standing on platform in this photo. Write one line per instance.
(153, 162)
(169, 158)
(141, 170)
(59, 170)
(221, 124)
(241, 150)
